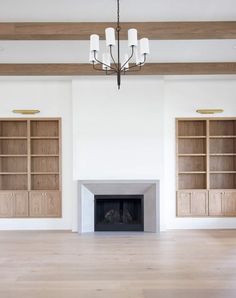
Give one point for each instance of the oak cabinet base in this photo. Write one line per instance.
(229, 203)
(24, 204)
(222, 203)
(45, 204)
(14, 204)
(218, 203)
(192, 203)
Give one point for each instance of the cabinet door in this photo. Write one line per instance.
(229, 203)
(20, 204)
(199, 203)
(216, 203)
(52, 204)
(6, 204)
(36, 204)
(184, 203)
(192, 203)
(45, 204)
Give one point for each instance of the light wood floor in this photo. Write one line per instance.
(180, 264)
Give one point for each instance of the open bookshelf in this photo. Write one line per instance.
(13, 155)
(30, 163)
(206, 161)
(191, 142)
(45, 155)
(222, 154)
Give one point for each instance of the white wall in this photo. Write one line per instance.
(53, 99)
(118, 133)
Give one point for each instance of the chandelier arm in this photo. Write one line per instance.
(100, 62)
(144, 61)
(99, 69)
(112, 57)
(139, 65)
(108, 72)
(131, 56)
(111, 72)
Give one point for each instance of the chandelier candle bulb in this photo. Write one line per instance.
(110, 37)
(94, 42)
(144, 46)
(132, 37)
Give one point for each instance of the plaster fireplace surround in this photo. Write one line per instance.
(89, 190)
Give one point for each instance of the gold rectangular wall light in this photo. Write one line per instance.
(26, 112)
(209, 111)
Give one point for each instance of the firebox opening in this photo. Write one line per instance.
(118, 213)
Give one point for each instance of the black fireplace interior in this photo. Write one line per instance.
(118, 213)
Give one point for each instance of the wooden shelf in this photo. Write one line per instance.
(44, 138)
(191, 137)
(44, 155)
(13, 173)
(193, 172)
(13, 155)
(223, 154)
(222, 137)
(13, 138)
(45, 173)
(192, 154)
(223, 172)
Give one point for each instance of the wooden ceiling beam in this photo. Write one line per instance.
(87, 70)
(152, 30)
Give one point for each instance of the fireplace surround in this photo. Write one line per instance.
(148, 190)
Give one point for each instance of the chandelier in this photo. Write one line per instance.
(138, 49)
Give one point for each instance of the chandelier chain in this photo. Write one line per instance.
(118, 16)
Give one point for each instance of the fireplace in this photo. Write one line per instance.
(118, 213)
(143, 212)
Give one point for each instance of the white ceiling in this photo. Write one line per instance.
(105, 10)
(77, 51)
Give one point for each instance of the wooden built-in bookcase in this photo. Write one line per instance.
(30, 167)
(206, 166)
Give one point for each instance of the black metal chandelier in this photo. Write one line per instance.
(139, 49)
